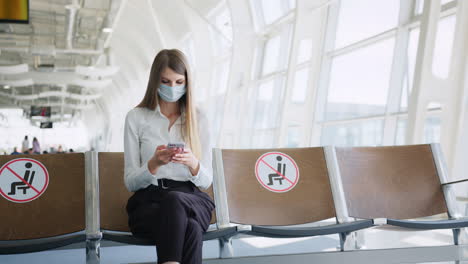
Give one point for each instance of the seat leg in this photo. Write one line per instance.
(460, 236)
(456, 236)
(344, 241)
(351, 241)
(225, 247)
(93, 249)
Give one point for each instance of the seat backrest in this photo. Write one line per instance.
(397, 182)
(113, 193)
(304, 196)
(57, 196)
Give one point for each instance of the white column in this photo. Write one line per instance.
(423, 77)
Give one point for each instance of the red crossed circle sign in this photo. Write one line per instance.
(277, 172)
(23, 180)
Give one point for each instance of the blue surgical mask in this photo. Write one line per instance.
(171, 94)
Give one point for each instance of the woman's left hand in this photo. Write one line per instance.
(187, 158)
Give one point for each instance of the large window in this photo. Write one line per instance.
(432, 129)
(305, 51)
(293, 139)
(359, 81)
(371, 53)
(268, 102)
(221, 36)
(359, 19)
(269, 11)
(409, 69)
(400, 131)
(299, 90)
(367, 133)
(219, 88)
(267, 92)
(275, 57)
(443, 46)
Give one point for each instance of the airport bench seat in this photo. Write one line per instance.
(87, 196)
(402, 183)
(113, 197)
(272, 209)
(54, 215)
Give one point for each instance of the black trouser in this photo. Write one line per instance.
(174, 218)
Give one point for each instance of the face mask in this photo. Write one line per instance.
(171, 94)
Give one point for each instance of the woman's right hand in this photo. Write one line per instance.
(162, 156)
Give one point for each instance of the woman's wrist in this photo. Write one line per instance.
(195, 168)
(153, 166)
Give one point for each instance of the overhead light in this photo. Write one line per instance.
(42, 49)
(96, 72)
(107, 30)
(6, 86)
(73, 5)
(14, 69)
(98, 84)
(16, 83)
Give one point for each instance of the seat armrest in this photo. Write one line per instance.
(427, 225)
(40, 244)
(288, 231)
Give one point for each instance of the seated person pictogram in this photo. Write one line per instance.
(28, 177)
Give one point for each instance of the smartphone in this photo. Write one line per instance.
(179, 145)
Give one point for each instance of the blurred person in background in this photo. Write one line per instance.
(60, 149)
(25, 144)
(36, 146)
(29, 151)
(15, 151)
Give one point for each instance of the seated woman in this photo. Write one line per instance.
(167, 205)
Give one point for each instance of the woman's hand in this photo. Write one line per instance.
(187, 158)
(162, 156)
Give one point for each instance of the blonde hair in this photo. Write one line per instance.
(176, 61)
